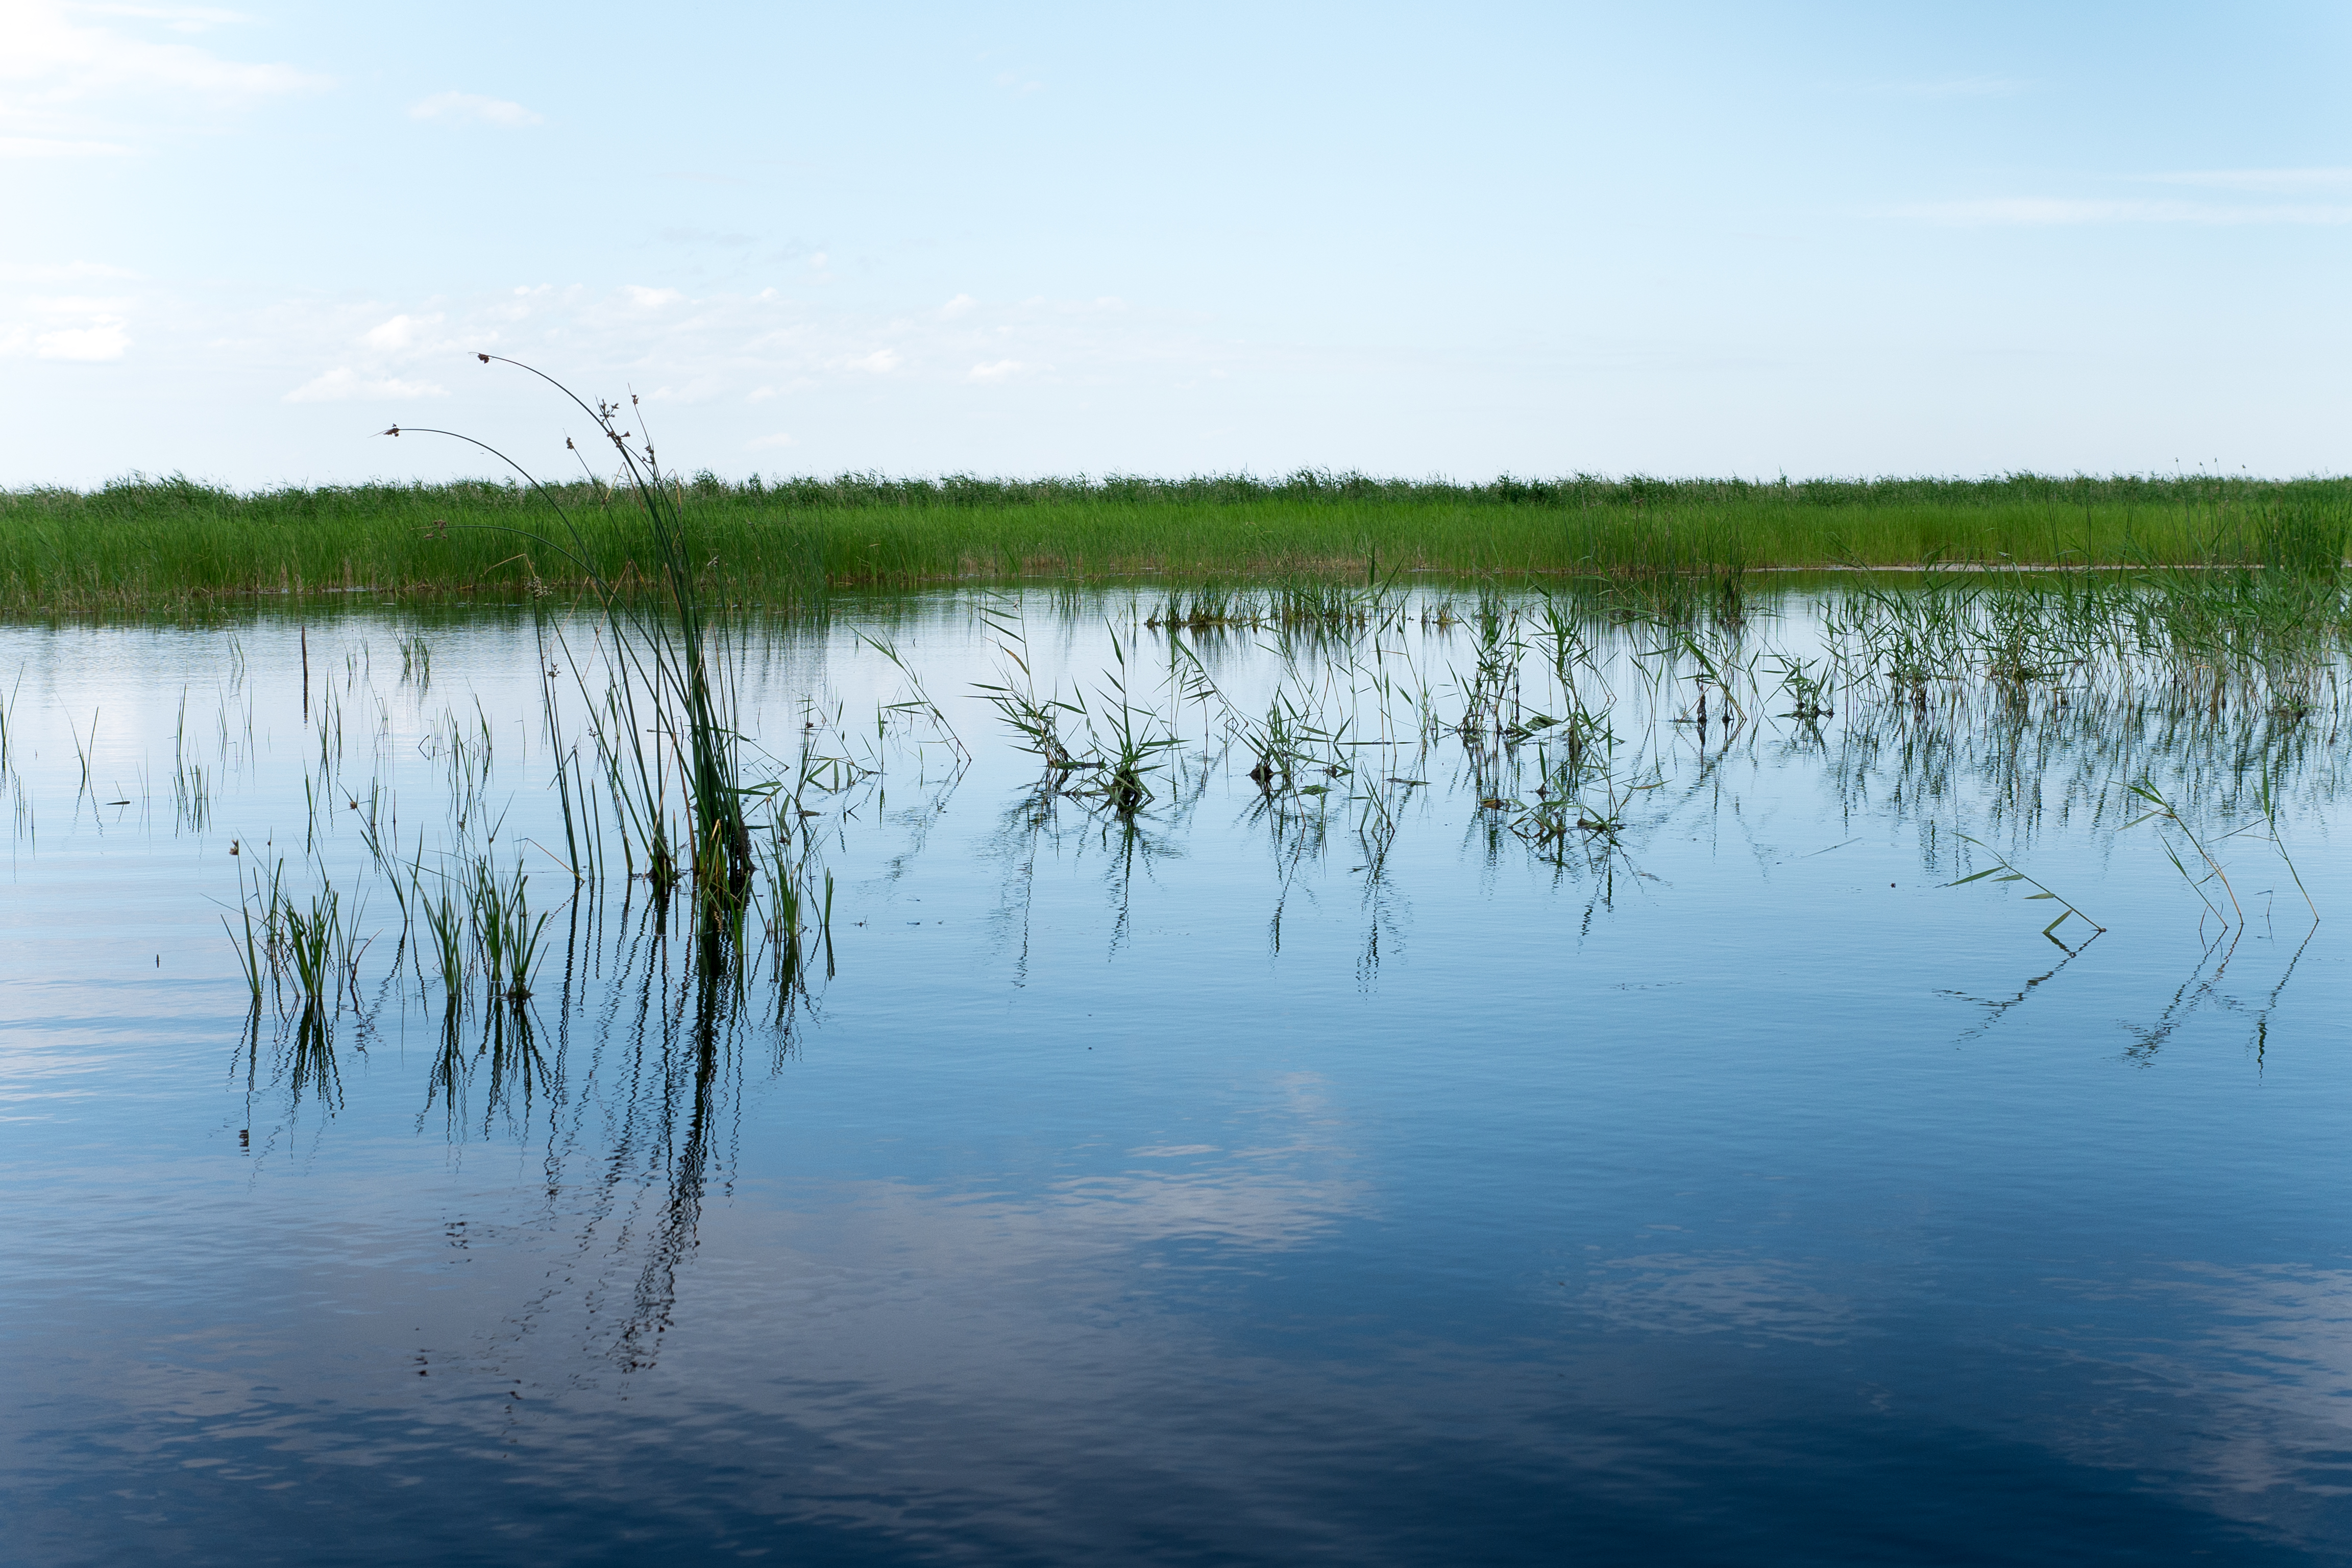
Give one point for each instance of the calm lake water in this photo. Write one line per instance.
(1359, 1175)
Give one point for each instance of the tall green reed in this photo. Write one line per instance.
(667, 678)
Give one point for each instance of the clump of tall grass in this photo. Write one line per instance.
(307, 953)
(666, 680)
(444, 923)
(1123, 742)
(505, 933)
(1490, 691)
(313, 939)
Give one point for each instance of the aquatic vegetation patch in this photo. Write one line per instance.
(149, 543)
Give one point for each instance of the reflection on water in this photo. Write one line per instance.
(1676, 1294)
(1526, 1076)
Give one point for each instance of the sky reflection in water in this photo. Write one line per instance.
(1736, 1191)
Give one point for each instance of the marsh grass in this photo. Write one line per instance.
(444, 923)
(1578, 757)
(313, 938)
(663, 675)
(1571, 726)
(1123, 742)
(143, 542)
(507, 935)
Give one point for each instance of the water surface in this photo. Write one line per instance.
(1237, 1182)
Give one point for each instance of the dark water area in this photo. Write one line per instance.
(1366, 1175)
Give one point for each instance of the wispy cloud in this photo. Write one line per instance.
(58, 147)
(82, 305)
(399, 334)
(738, 357)
(474, 109)
(62, 272)
(2217, 209)
(50, 63)
(179, 18)
(2049, 211)
(105, 338)
(683, 234)
(344, 385)
(2268, 182)
(78, 327)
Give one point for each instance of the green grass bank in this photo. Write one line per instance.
(146, 544)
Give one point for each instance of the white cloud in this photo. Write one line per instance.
(344, 385)
(474, 106)
(62, 272)
(81, 305)
(50, 63)
(106, 337)
(70, 90)
(179, 18)
(2046, 211)
(693, 390)
(960, 305)
(651, 299)
(742, 365)
(398, 333)
(779, 439)
(57, 147)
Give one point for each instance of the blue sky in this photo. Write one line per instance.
(1018, 239)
